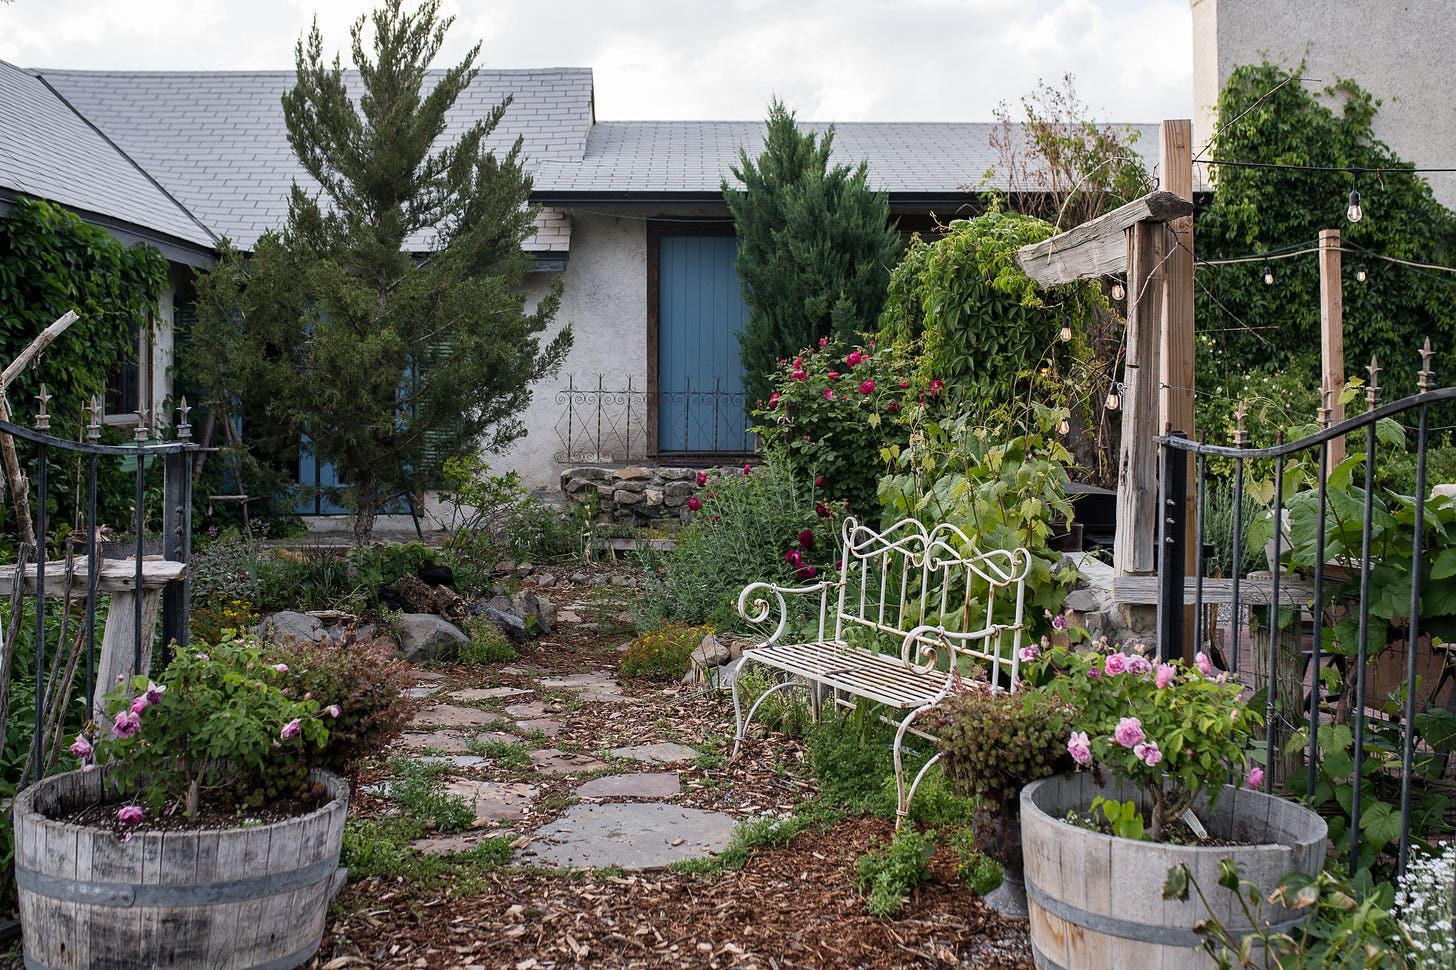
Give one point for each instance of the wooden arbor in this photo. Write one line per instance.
(1151, 240)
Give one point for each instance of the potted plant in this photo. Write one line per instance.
(992, 744)
(195, 833)
(1164, 746)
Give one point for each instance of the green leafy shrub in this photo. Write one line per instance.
(786, 712)
(832, 412)
(980, 872)
(313, 578)
(1000, 477)
(851, 755)
(746, 528)
(487, 644)
(223, 569)
(663, 654)
(887, 878)
(219, 719)
(207, 622)
(363, 677)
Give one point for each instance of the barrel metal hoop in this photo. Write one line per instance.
(175, 894)
(1042, 961)
(1128, 929)
(295, 959)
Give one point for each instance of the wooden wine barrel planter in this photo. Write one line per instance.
(1096, 901)
(221, 899)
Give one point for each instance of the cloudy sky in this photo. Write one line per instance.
(829, 60)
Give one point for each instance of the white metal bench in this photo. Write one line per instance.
(910, 610)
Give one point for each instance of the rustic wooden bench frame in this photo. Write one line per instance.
(930, 591)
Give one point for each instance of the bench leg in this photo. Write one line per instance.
(742, 720)
(904, 793)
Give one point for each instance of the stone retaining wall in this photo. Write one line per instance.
(636, 495)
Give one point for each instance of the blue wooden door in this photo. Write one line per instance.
(700, 312)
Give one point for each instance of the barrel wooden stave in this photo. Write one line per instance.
(1091, 895)
(60, 934)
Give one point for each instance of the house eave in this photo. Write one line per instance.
(176, 250)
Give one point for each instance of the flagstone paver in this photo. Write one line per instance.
(593, 685)
(642, 784)
(494, 801)
(452, 716)
(450, 742)
(552, 762)
(545, 725)
(635, 835)
(472, 694)
(662, 753)
(422, 691)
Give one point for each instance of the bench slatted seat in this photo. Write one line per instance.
(909, 610)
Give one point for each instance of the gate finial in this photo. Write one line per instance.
(93, 427)
(42, 417)
(1425, 377)
(184, 430)
(1372, 393)
(1327, 411)
(1241, 435)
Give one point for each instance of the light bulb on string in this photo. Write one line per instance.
(1063, 426)
(1361, 274)
(1114, 396)
(1353, 212)
(1066, 330)
(1118, 291)
(1268, 275)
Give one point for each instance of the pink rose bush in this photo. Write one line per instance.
(1178, 732)
(209, 726)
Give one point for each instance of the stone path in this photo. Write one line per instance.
(620, 811)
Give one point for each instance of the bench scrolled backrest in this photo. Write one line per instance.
(935, 595)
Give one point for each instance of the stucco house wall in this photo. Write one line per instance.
(1401, 51)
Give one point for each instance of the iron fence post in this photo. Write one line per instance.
(1171, 550)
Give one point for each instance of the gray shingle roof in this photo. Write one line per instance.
(694, 156)
(217, 140)
(49, 152)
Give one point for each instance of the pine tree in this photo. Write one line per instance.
(815, 248)
(387, 322)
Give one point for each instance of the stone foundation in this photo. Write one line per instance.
(637, 495)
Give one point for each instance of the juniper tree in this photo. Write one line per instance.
(815, 248)
(386, 322)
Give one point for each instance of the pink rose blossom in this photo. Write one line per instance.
(904, 384)
(1166, 673)
(1059, 622)
(694, 504)
(1028, 654)
(824, 341)
(747, 469)
(828, 394)
(936, 385)
(126, 724)
(87, 768)
(800, 375)
(1256, 778)
(1129, 732)
(140, 704)
(819, 480)
(290, 730)
(130, 814)
(1094, 672)
(308, 695)
(853, 358)
(200, 656)
(867, 387)
(154, 692)
(1148, 753)
(81, 748)
(334, 710)
(1115, 663)
(834, 375)
(1080, 748)
(773, 399)
(281, 668)
(1205, 666)
(1138, 665)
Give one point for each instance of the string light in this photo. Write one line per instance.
(1354, 213)
(1268, 275)
(1118, 292)
(1360, 273)
(1066, 330)
(1064, 426)
(1114, 396)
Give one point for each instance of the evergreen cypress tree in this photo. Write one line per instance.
(815, 248)
(387, 322)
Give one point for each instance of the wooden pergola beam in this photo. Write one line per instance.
(1097, 248)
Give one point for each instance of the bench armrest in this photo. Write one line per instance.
(924, 656)
(763, 609)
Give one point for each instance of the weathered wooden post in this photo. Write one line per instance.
(1332, 333)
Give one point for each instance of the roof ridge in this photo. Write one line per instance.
(130, 161)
